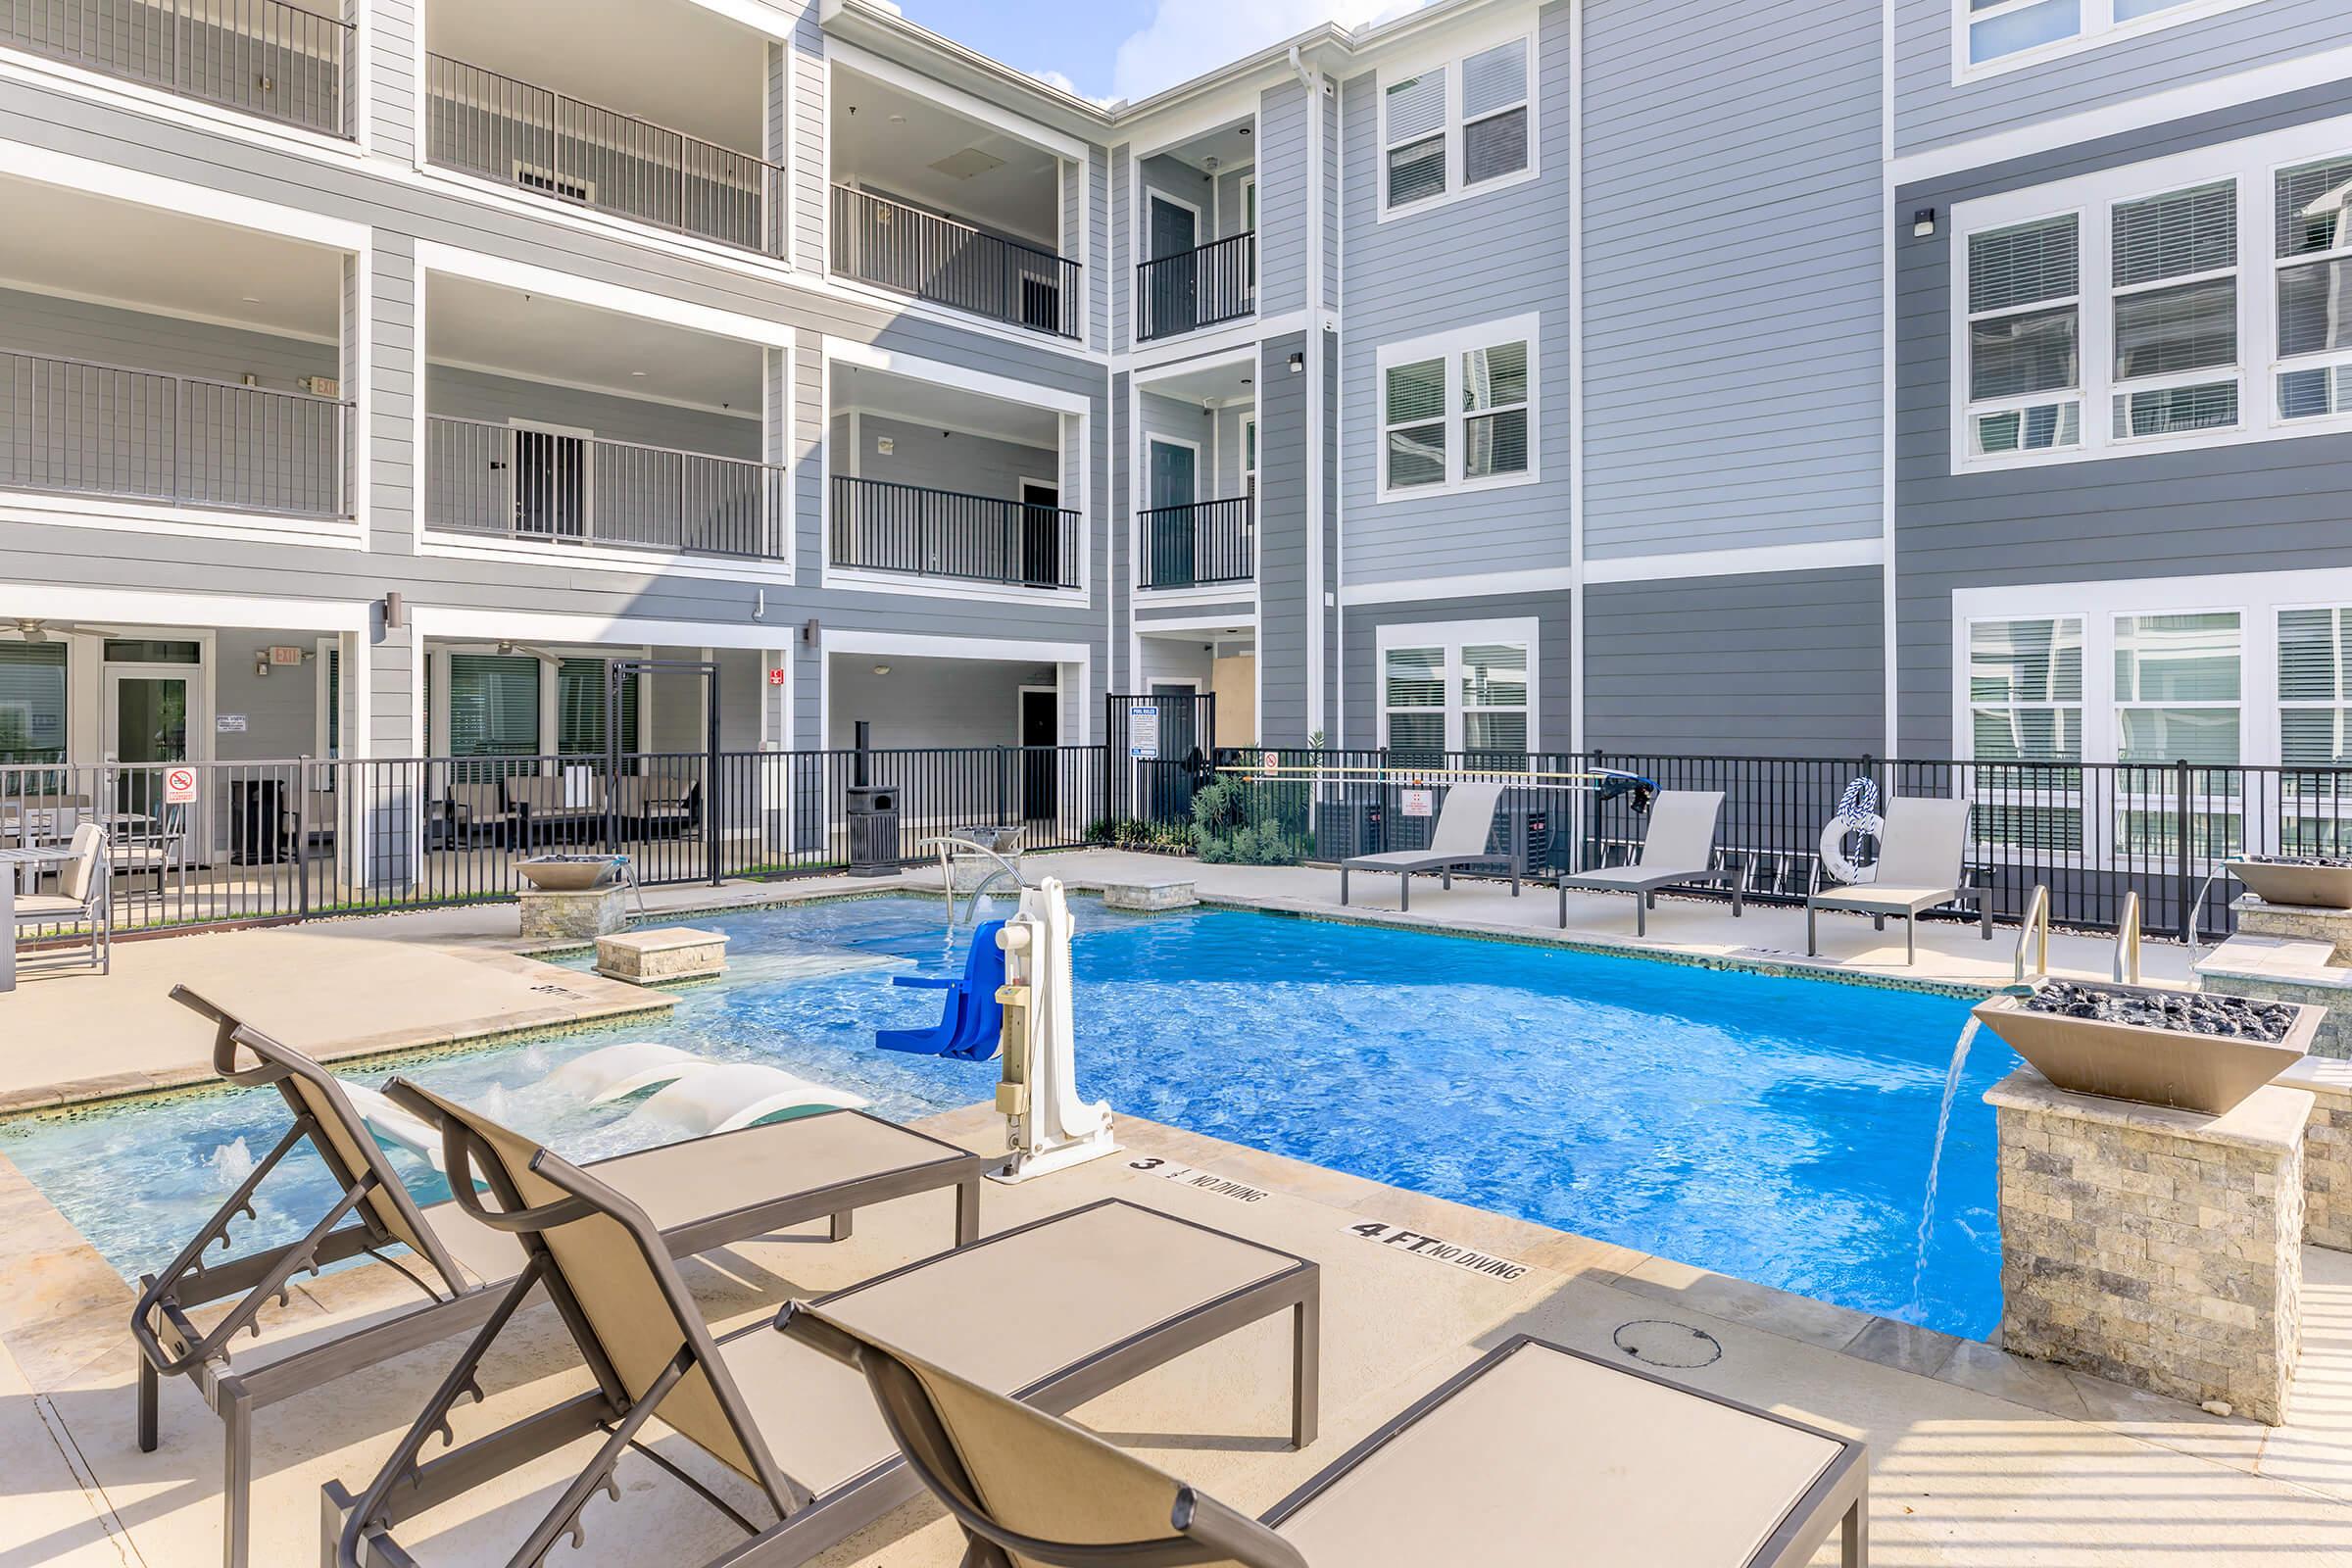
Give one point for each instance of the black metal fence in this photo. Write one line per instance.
(909, 251)
(1195, 288)
(1194, 546)
(877, 525)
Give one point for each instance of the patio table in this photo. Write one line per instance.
(11, 861)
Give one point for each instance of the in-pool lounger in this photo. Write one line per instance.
(1057, 1311)
(1535, 1456)
(702, 1193)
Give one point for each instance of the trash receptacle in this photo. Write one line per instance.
(873, 812)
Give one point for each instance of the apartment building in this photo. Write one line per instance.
(1808, 377)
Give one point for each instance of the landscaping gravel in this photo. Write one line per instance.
(2187, 1012)
(2324, 861)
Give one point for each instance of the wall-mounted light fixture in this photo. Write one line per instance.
(1298, 363)
(809, 631)
(395, 613)
(1923, 223)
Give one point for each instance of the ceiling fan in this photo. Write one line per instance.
(36, 629)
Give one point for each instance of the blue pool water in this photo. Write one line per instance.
(1773, 1129)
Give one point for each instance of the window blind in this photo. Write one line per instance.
(2177, 234)
(493, 705)
(2309, 224)
(33, 702)
(1416, 415)
(2315, 687)
(2025, 264)
(1494, 113)
(581, 709)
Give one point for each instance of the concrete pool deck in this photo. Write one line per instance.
(378, 984)
(1988, 1462)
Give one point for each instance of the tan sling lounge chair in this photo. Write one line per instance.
(703, 1192)
(1535, 1456)
(1923, 865)
(1057, 1312)
(1458, 841)
(1678, 848)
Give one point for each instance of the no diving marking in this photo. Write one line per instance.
(1200, 1180)
(1440, 1251)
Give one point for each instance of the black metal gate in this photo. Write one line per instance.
(1160, 747)
(660, 807)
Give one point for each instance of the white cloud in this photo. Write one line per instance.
(1186, 37)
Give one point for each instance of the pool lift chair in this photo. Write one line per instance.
(1057, 1312)
(701, 1193)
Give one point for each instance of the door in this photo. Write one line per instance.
(1172, 479)
(1041, 535)
(1233, 679)
(1170, 787)
(148, 723)
(1175, 271)
(1041, 733)
(551, 482)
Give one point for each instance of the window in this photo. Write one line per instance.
(581, 709)
(2315, 688)
(1997, 32)
(1457, 410)
(2176, 687)
(32, 705)
(1459, 127)
(2025, 337)
(1250, 459)
(1465, 686)
(2175, 260)
(2024, 706)
(2314, 206)
(493, 704)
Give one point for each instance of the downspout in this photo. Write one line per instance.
(1315, 478)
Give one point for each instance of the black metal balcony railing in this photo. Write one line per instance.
(498, 128)
(1194, 546)
(265, 57)
(1195, 288)
(909, 251)
(79, 428)
(520, 482)
(880, 526)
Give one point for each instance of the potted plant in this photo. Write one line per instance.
(2189, 1050)
(2321, 881)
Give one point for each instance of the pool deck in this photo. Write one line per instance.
(1977, 1457)
(381, 984)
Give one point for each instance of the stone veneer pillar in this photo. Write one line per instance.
(2154, 1248)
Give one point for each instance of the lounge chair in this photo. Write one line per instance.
(971, 1024)
(703, 1192)
(1535, 1455)
(83, 897)
(1678, 848)
(1464, 824)
(1057, 1312)
(1923, 865)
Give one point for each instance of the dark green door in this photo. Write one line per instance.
(1171, 495)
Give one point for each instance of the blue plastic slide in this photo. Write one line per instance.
(974, 1018)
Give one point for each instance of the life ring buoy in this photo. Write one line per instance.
(1857, 814)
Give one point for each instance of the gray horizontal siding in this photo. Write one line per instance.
(1484, 256)
(940, 460)
(1284, 535)
(1282, 195)
(1932, 109)
(1732, 291)
(1774, 664)
(2273, 506)
(1555, 651)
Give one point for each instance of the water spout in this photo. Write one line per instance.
(230, 1163)
(1944, 1125)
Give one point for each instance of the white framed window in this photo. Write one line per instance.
(1451, 687)
(1995, 35)
(2128, 309)
(2025, 337)
(1457, 128)
(2315, 687)
(1458, 410)
(2178, 687)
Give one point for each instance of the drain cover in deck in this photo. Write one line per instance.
(1661, 1342)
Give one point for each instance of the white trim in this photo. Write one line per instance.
(434, 257)
(1459, 48)
(1152, 438)
(1827, 556)
(1452, 636)
(524, 202)
(1154, 625)
(323, 696)
(841, 286)
(1888, 603)
(1470, 585)
(457, 624)
(1020, 694)
(138, 97)
(2131, 114)
(90, 175)
(1152, 195)
(921, 645)
(1577, 545)
(1208, 345)
(148, 607)
(119, 516)
(2097, 27)
(852, 579)
(942, 373)
(1449, 347)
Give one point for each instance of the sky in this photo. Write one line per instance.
(1108, 49)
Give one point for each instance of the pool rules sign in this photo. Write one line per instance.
(1143, 732)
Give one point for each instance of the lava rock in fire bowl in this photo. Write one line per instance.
(2185, 1050)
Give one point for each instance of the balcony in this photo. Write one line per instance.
(516, 133)
(76, 428)
(908, 251)
(1199, 546)
(272, 57)
(548, 486)
(1197, 288)
(882, 526)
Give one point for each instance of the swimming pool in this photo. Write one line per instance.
(1775, 1128)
